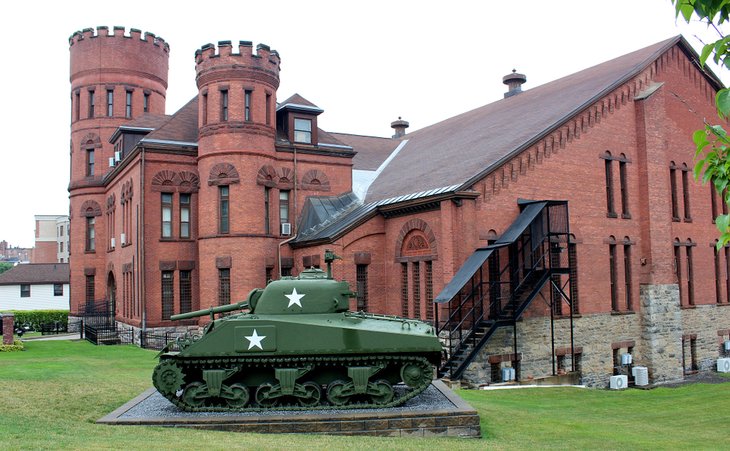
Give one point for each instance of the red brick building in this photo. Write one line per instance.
(175, 213)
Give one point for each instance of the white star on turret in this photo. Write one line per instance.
(294, 298)
(255, 340)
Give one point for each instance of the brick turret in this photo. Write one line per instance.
(115, 78)
(237, 132)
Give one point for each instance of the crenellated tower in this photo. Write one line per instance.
(115, 78)
(237, 135)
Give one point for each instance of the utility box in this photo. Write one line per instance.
(641, 375)
(723, 365)
(619, 382)
(508, 374)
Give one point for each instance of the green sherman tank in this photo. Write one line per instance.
(296, 346)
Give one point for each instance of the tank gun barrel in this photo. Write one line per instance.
(211, 311)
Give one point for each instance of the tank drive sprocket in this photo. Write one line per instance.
(168, 377)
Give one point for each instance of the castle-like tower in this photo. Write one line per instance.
(115, 78)
(237, 133)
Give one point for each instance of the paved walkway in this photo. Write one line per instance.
(53, 337)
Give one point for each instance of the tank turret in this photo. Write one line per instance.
(295, 346)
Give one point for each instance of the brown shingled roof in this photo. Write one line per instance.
(148, 120)
(462, 149)
(36, 273)
(371, 150)
(181, 126)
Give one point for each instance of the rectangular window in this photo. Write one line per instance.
(205, 109)
(146, 104)
(185, 215)
(268, 109)
(303, 131)
(247, 105)
(678, 270)
(267, 221)
(283, 206)
(573, 263)
(404, 289)
(627, 277)
(224, 286)
(77, 105)
(166, 215)
(223, 212)
(60, 247)
(613, 277)
(416, 289)
(362, 287)
(90, 289)
(89, 162)
(685, 192)
(128, 105)
(60, 231)
(186, 291)
(690, 277)
(429, 290)
(673, 186)
(25, 290)
(110, 102)
(624, 190)
(718, 277)
(58, 289)
(91, 103)
(224, 104)
(90, 234)
(168, 294)
(609, 189)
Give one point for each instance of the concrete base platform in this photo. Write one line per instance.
(435, 412)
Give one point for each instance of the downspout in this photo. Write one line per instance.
(295, 194)
(140, 233)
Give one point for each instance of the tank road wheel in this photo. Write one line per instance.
(313, 393)
(195, 394)
(263, 395)
(382, 392)
(412, 374)
(240, 396)
(335, 392)
(168, 377)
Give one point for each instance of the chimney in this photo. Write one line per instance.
(514, 82)
(400, 127)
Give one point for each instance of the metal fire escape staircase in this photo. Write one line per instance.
(498, 283)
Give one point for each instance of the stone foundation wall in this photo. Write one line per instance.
(654, 335)
(703, 324)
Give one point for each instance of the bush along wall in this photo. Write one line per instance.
(34, 318)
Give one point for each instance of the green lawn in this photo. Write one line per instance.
(51, 395)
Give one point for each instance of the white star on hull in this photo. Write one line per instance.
(254, 340)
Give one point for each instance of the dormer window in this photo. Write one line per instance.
(303, 130)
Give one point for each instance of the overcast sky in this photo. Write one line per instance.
(363, 63)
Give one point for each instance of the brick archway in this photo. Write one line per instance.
(416, 238)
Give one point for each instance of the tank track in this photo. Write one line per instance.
(269, 364)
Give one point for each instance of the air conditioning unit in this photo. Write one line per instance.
(117, 155)
(123, 239)
(111, 162)
(619, 382)
(626, 359)
(113, 243)
(508, 374)
(641, 375)
(723, 365)
(727, 345)
(286, 228)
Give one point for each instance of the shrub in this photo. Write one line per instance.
(16, 346)
(34, 318)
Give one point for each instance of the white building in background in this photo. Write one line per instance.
(36, 286)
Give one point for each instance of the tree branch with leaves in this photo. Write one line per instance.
(712, 154)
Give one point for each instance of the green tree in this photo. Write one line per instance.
(712, 155)
(4, 266)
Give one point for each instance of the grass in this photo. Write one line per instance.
(52, 394)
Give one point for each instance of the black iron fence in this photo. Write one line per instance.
(56, 327)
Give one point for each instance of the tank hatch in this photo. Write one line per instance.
(310, 292)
